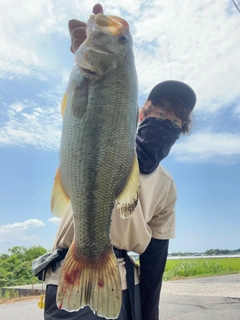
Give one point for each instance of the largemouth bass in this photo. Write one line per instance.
(98, 163)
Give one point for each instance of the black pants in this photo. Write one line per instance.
(52, 312)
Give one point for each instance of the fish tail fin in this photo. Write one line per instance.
(96, 284)
(127, 200)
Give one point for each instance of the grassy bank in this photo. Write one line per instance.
(182, 268)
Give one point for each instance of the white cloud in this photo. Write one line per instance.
(37, 121)
(24, 26)
(54, 220)
(18, 106)
(237, 110)
(20, 226)
(29, 123)
(18, 233)
(195, 43)
(208, 147)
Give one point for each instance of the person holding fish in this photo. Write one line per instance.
(102, 163)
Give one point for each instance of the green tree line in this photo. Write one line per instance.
(209, 252)
(221, 251)
(16, 267)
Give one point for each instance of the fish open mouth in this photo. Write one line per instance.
(87, 71)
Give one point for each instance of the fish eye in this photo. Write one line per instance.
(123, 38)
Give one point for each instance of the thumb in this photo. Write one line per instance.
(97, 8)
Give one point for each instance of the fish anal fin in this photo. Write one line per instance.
(126, 201)
(63, 104)
(96, 284)
(59, 199)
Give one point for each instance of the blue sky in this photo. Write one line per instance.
(183, 40)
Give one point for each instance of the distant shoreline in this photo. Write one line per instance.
(202, 256)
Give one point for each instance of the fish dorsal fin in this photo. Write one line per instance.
(127, 200)
(64, 103)
(59, 199)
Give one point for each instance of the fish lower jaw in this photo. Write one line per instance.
(84, 66)
(87, 71)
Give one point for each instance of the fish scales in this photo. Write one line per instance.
(98, 163)
(98, 175)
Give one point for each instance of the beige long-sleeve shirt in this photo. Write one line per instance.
(154, 217)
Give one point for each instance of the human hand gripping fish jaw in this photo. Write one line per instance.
(93, 57)
(98, 164)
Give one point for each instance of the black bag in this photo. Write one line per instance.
(49, 259)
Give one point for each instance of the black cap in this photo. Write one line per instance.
(175, 88)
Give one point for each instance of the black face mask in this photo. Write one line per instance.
(154, 141)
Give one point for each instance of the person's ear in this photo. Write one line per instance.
(141, 116)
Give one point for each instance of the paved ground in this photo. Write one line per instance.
(184, 307)
(215, 298)
(218, 286)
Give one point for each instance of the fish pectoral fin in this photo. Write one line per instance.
(127, 200)
(59, 200)
(63, 104)
(95, 284)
